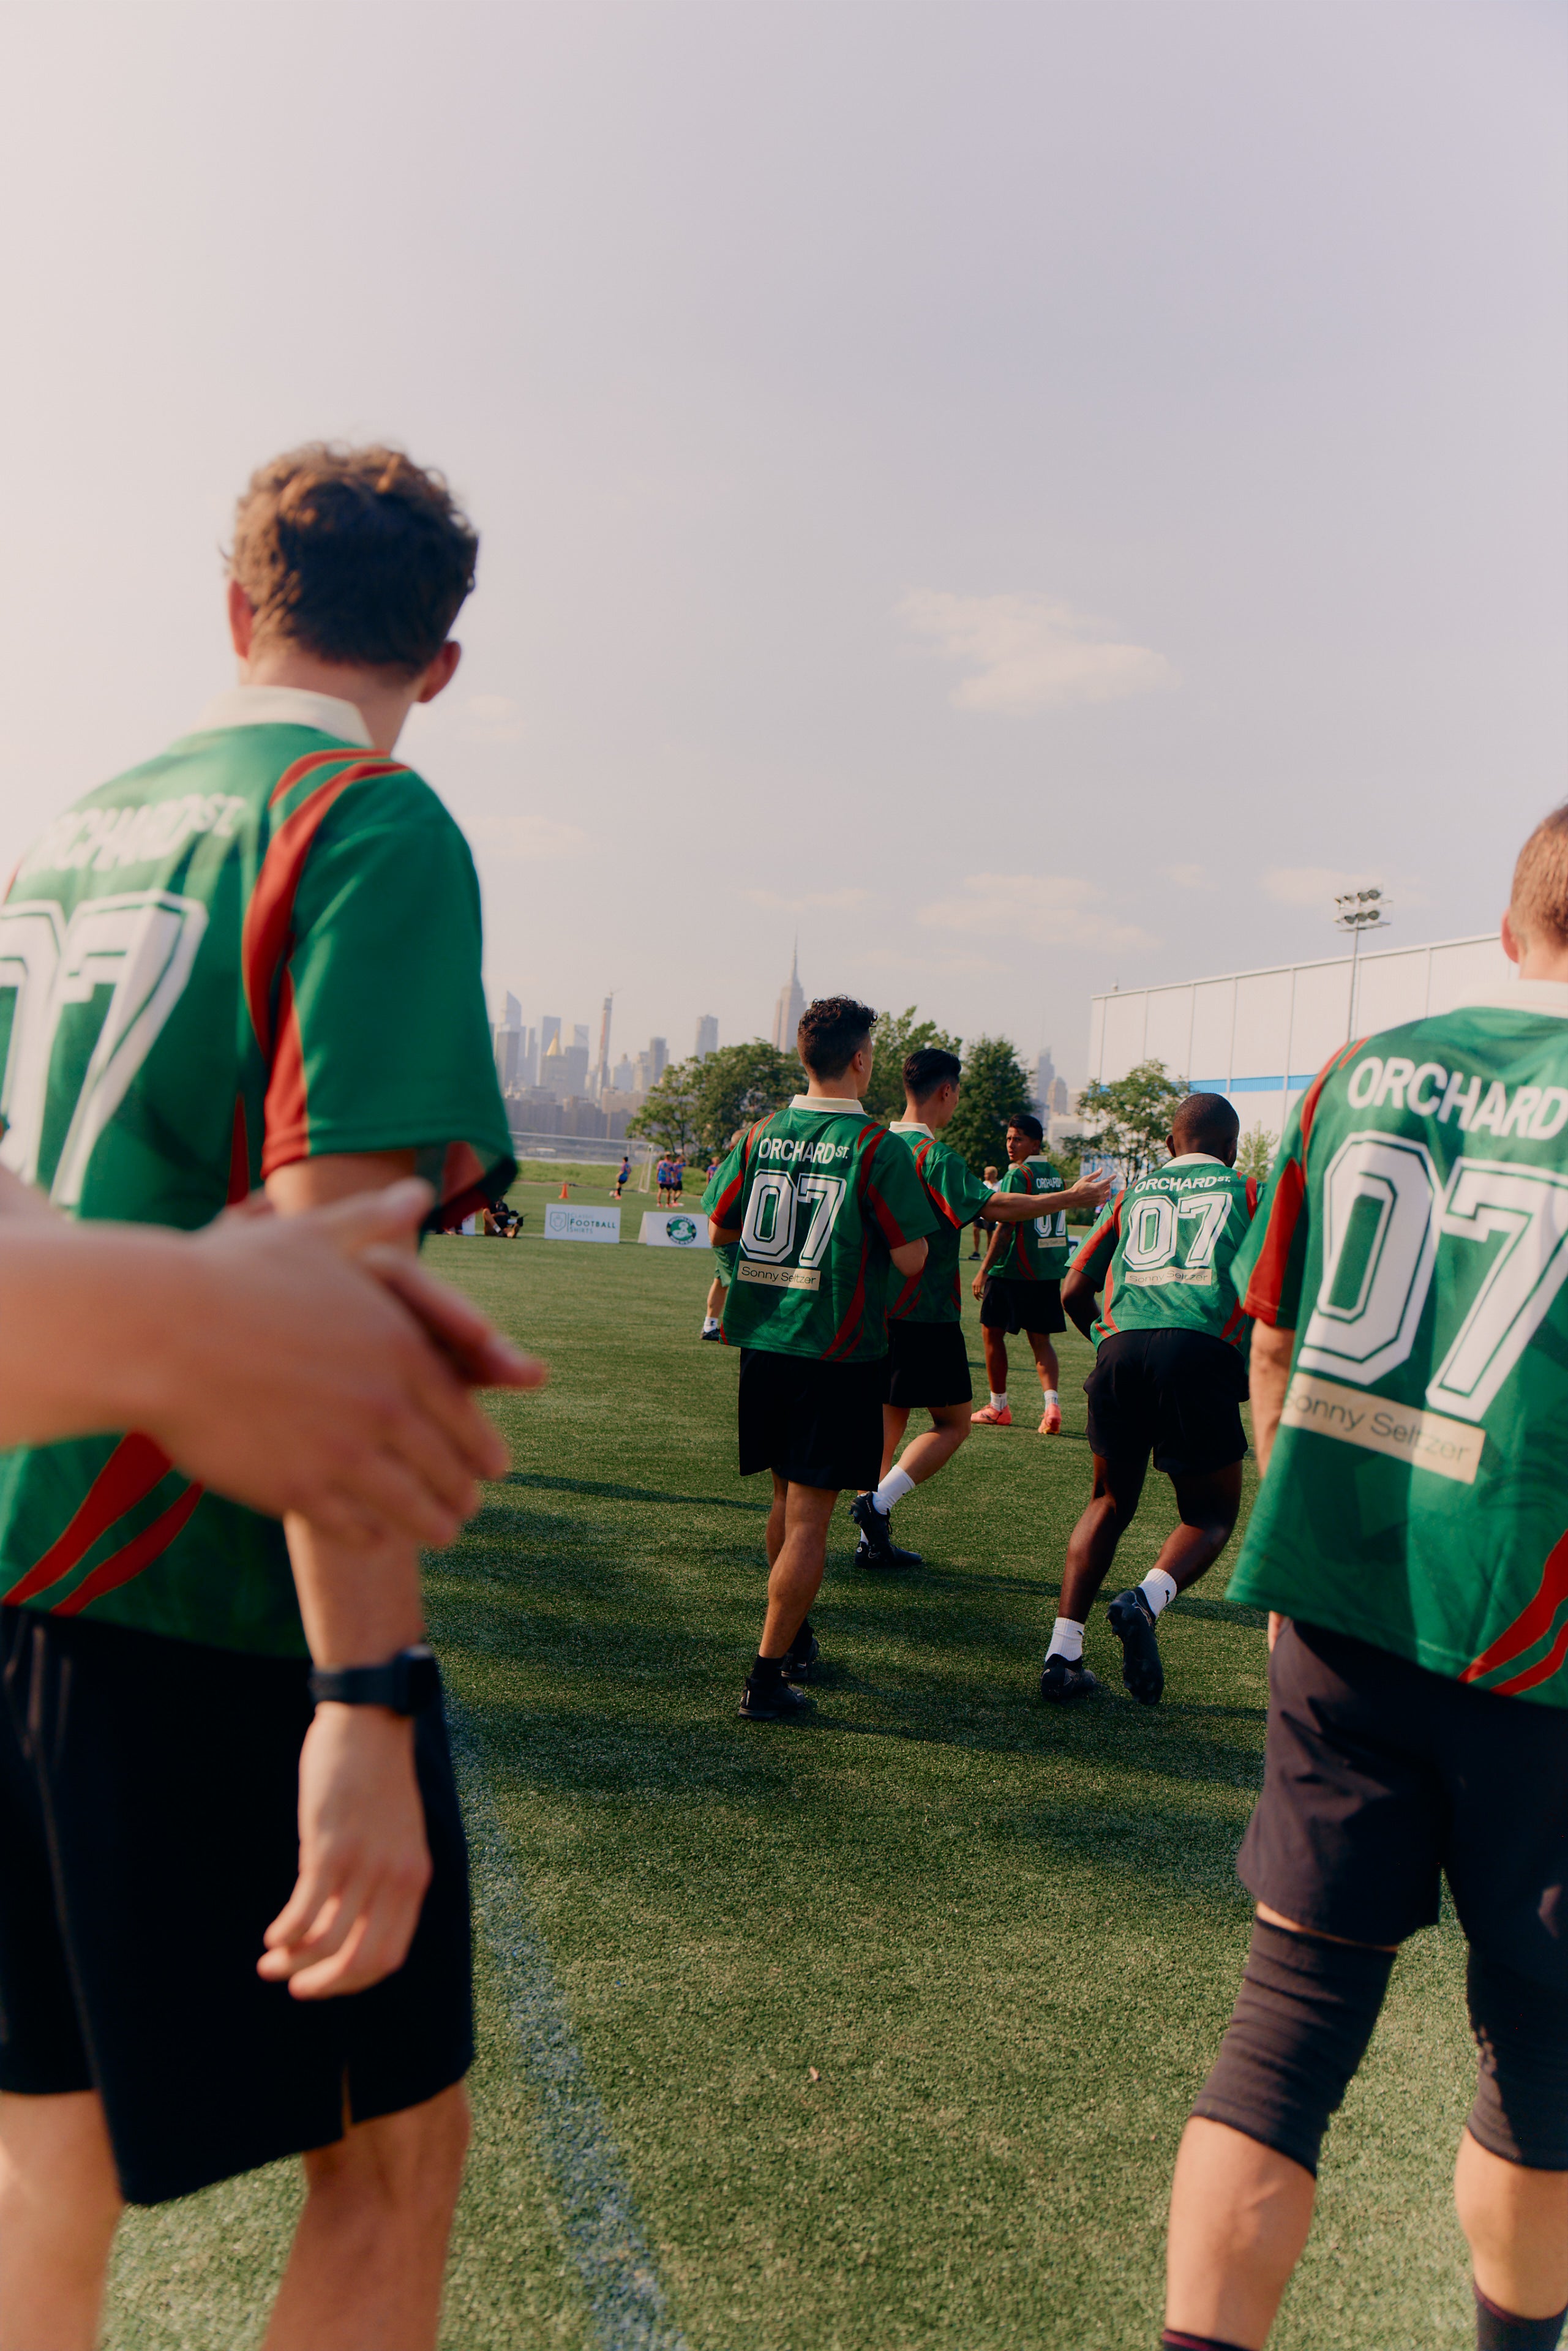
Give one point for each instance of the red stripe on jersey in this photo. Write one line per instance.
(1532, 1624)
(239, 1158)
(286, 1134)
(127, 1477)
(1238, 1318)
(1267, 1279)
(848, 1330)
(269, 918)
(121, 1566)
(932, 1194)
(1251, 1198)
(1105, 1314)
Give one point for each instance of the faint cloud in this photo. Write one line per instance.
(1028, 652)
(526, 834)
(834, 902)
(1310, 886)
(1186, 877)
(491, 719)
(1056, 910)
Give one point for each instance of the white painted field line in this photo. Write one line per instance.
(593, 2201)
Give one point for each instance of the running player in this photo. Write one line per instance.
(927, 1356)
(1170, 1377)
(677, 1180)
(1020, 1281)
(820, 1198)
(1409, 1393)
(198, 954)
(622, 1175)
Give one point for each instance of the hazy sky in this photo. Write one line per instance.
(1027, 494)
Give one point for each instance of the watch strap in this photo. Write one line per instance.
(405, 1683)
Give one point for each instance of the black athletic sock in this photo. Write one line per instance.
(766, 1672)
(1173, 2340)
(1499, 2330)
(802, 1639)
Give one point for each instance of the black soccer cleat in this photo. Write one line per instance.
(1065, 1678)
(800, 1658)
(876, 1547)
(1133, 1621)
(716, 1336)
(782, 1703)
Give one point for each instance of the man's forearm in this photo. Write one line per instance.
(1079, 1300)
(359, 1605)
(1269, 1376)
(90, 1317)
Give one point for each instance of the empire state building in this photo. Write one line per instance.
(791, 1004)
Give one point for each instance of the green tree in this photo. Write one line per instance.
(899, 1034)
(669, 1117)
(1129, 1119)
(995, 1086)
(1255, 1152)
(739, 1083)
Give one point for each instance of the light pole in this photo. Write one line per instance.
(1358, 911)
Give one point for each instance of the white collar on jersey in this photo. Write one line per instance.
(1526, 996)
(910, 1126)
(827, 1104)
(1189, 1159)
(284, 705)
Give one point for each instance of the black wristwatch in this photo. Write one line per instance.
(406, 1683)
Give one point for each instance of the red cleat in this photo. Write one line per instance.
(989, 1417)
(1050, 1424)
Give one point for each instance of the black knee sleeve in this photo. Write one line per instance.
(1521, 2097)
(1299, 2030)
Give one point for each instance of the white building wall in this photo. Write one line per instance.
(1261, 1036)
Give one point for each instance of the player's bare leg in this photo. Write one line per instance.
(933, 1446)
(1239, 2216)
(797, 1566)
(1516, 2221)
(1050, 1371)
(895, 1421)
(59, 2207)
(371, 2246)
(797, 1556)
(713, 1310)
(1090, 1548)
(995, 1348)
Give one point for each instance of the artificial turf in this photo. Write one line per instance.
(1005, 1938)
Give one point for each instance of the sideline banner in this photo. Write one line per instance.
(565, 1223)
(674, 1228)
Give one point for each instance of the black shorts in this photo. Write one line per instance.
(1381, 1779)
(811, 1423)
(1009, 1305)
(148, 1811)
(928, 1364)
(1177, 1393)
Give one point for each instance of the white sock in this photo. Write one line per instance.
(710, 1321)
(1066, 1640)
(1158, 1589)
(1051, 1396)
(999, 1403)
(893, 1488)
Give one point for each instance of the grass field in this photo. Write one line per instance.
(1007, 1939)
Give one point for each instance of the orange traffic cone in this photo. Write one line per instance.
(565, 1189)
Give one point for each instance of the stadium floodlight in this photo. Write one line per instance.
(1358, 911)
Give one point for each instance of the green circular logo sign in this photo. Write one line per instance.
(681, 1230)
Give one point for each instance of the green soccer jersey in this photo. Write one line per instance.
(1415, 1238)
(819, 1193)
(935, 1294)
(1037, 1251)
(1162, 1255)
(262, 946)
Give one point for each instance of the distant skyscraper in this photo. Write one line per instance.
(549, 1033)
(707, 1035)
(509, 1042)
(658, 1057)
(511, 1012)
(1061, 1100)
(1044, 1079)
(791, 1004)
(580, 1034)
